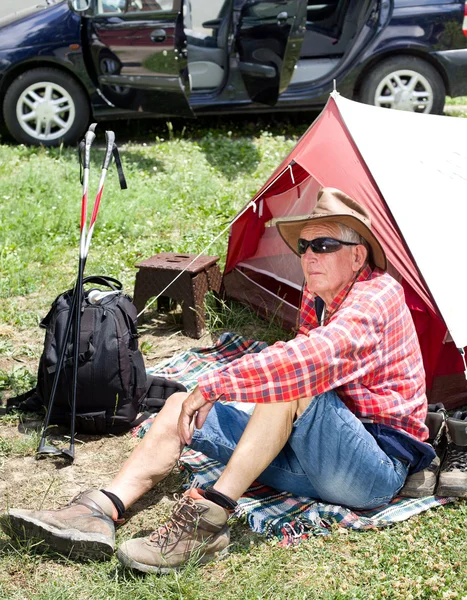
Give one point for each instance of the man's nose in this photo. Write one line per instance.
(310, 255)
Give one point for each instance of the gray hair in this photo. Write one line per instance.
(347, 234)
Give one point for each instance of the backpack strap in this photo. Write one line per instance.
(86, 349)
(158, 389)
(30, 401)
(111, 282)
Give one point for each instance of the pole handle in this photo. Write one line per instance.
(84, 150)
(109, 144)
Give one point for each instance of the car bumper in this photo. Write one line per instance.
(454, 63)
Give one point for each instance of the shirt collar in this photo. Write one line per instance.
(364, 274)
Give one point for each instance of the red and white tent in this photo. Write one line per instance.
(410, 171)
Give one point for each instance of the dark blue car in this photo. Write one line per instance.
(65, 63)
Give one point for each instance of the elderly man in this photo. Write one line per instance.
(339, 410)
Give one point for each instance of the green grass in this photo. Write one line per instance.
(23, 446)
(455, 107)
(231, 316)
(420, 559)
(180, 193)
(459, 101)
(17, 380)
(185, 182)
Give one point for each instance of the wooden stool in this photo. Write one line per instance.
(157, 272)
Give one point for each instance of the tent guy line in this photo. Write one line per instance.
(252, 204)
(411, 194)
(408, 170)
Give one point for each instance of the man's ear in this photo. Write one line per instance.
(360, 257)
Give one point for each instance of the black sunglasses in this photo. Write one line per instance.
(322, 245)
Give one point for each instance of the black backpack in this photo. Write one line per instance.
(113, 387)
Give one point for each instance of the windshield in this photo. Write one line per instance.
(11, 6)
(11, 10)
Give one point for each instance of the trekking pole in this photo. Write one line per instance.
(85, 153)
(77, 300)
(84, 250)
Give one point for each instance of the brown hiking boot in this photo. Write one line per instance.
(84, 528)
(197, 527)
(423, 483)
(453, 475)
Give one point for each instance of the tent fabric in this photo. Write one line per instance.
(347, 147)
(247, 231)
(419, 162)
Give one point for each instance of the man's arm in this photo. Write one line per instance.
(347, 348)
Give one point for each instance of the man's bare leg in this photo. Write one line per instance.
(85, 527)
(154, 458)
(199, 524)
(264, 437)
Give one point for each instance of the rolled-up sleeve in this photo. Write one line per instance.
(345, 349)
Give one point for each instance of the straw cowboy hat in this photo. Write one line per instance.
(334, 206)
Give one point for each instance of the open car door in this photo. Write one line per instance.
(269, 37)
(138, 49)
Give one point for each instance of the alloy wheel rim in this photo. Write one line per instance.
(45, 111)
(405, 89)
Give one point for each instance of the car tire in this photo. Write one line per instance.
(46, 107)
(404, 83)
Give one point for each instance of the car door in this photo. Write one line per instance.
(138, 49)
(269, 36)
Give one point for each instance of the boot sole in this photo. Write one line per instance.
(453, 491)
(414, 493)
(133, 564)
(424, 489)
(68, 542)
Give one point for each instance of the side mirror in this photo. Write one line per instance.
(79, 5)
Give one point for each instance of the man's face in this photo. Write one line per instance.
(327, 274)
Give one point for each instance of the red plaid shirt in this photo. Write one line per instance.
(367, 351)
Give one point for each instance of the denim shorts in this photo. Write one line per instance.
(329, 456)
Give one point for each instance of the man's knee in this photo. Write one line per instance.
(280, 415)
(176, 400)
(286, 410)
(167, 419)
(281, 410)
(173, 406)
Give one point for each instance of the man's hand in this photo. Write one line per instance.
(194, 404)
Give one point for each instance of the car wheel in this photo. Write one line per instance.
(46, 106)
(404, 83)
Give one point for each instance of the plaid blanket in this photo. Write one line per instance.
(267, 511)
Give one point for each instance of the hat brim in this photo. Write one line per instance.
(290, 230)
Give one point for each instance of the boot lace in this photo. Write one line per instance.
(184, 518)
(456, 458)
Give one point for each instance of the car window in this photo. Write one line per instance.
(135, 6)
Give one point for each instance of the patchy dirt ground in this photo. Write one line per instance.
(161, 336)
(50, 482)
